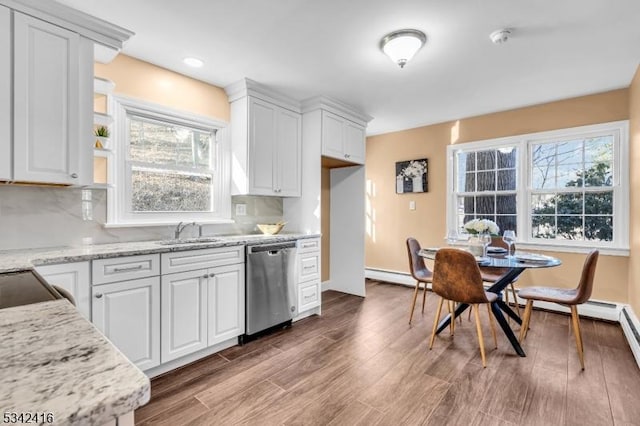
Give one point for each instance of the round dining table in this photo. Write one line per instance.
(513, 266)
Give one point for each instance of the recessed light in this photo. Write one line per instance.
(193, 62)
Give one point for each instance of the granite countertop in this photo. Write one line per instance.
(18, 260)
(52, 360)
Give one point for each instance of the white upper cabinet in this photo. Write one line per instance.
(47, 110)
(46, 91)
(342, 138)
(5, 93)
(266, 136)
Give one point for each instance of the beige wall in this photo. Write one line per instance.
(142, 80)
(634, 141)
(390, 222)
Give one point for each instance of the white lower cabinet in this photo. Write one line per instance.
(226, 303)
(202, 307)
(184, 313)
(308, 265)
(128, 313)
(73, 277)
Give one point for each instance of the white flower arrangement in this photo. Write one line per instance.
(414, 169)
(480, 226)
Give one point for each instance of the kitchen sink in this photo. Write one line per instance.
(190, 241)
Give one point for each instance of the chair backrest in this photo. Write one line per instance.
(585, 286)
(419, 270)
(456, 277)
(499, 242)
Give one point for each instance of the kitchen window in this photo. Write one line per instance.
(171, 166)
(564, 190)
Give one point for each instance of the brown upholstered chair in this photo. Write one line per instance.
(456, 277)
(571, 298)
(419, 272)
(493, 274)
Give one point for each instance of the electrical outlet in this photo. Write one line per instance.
(241, 209)
(412, 205)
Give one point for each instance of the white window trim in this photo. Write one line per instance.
(116, 194)
(620, 244)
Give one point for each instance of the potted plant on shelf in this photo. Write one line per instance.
(102, 137)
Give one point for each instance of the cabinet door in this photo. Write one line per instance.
(308, 296)
(46, 102)
(262, 143)
(5, 93)
(226, 303)
(332, 135)
(73, 277)
(184, 313)
(128, 313)
(289, 153)
(354, 143)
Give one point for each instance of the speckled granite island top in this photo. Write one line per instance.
(53, 360)
(18, 260)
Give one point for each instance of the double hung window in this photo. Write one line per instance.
(562, 190)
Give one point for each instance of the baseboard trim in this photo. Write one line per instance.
(389, 276)
(326, 285)
(631, 327)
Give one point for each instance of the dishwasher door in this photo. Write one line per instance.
(270, 286)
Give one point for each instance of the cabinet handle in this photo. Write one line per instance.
(347, 156)
(212, 275)
(205, 276)
(74, 175)
(128, 268)
(98, 295)
(309, 267)
(311, 296)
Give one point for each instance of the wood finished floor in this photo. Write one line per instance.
(362, 364)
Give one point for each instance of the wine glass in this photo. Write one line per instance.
(452, 236)
(485, 239)
(509, 237)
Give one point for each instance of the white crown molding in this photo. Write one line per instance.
(336, 107)
(96, 29)
(248, 87)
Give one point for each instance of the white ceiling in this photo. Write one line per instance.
(559, 49)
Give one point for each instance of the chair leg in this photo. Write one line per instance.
(413, 303)
(424, 296)
(493, 325)
(515, 298)
(452, 310)
(575, 320)
(435, 322)
(470, 309)
(480, 339)
(506, 300)
(525, 321)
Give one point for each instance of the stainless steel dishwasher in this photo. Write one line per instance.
(270, 287)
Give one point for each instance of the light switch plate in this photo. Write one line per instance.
(241, 209)
(412, 205)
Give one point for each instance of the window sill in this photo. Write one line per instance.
(165, 223)
(608, 251)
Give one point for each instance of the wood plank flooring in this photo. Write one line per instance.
(361, 363)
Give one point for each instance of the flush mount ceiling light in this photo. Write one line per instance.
(193, 62)
(402, 45)
(500, 36)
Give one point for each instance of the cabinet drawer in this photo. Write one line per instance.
(184, 261)
(307, 245)
(308, 296)
(308, 267)
(125, 268)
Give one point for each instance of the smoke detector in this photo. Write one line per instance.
(500, 36)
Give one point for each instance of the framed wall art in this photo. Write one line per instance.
(411, 176)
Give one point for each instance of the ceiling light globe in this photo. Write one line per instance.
(401, 46)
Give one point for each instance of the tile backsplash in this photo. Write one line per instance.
(35, 217)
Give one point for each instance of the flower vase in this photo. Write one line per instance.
(476, 246)
(417, 184)
(399, 185)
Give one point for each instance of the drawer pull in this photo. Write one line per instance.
(127, 269)
(311, 296)
(205, 276)
(309, 267)
(99, 296)
(212, 275)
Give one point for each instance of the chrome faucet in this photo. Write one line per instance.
(180, 228)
